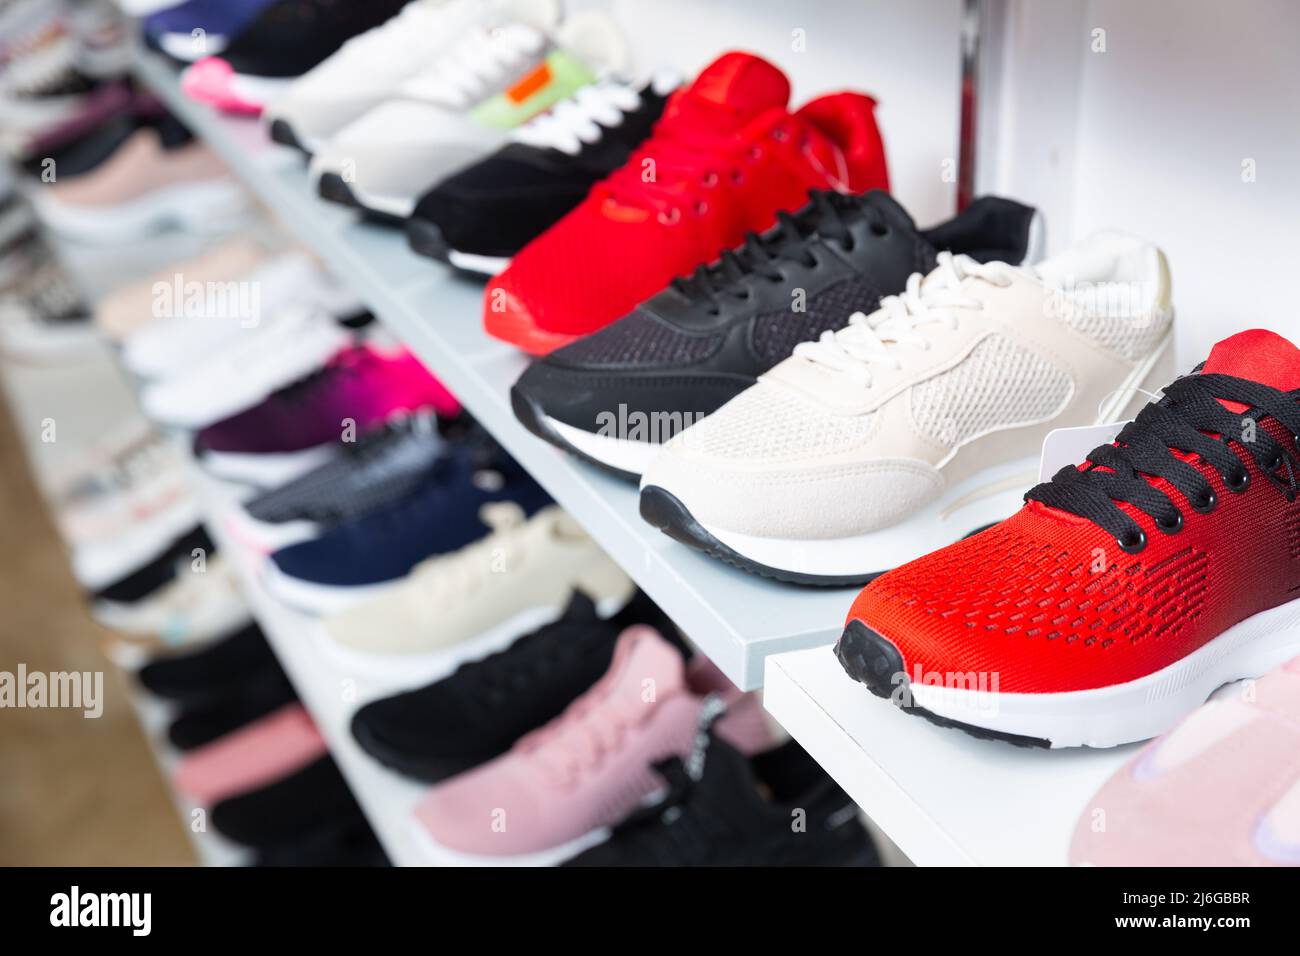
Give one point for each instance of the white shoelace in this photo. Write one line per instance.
(582, 118)
(868, 341)
(479, 66)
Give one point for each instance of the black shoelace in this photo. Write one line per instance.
(1181, 420)
(827, 216)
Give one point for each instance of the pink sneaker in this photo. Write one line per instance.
(274, 746)
(556, 790)
(1221, 789)
(213, 81)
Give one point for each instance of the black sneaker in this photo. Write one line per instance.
(138, 582)
(306, 803)
(216, 671)
(479, 711)
(612, 397)
(289, 37)
(253, 699)
(723, 809)
(480, 217)
(352, 843)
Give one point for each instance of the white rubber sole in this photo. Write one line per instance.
(318, 599)
(205, 207)
(184, 47)
(263, 537)
(440, 855)
(1133, 711)
(265, 471)
(479, 265)
(982, 499)
(625, 455)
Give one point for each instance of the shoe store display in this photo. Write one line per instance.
(687, 351)
(548, 433)
(1148, 532)
(727, 156)
(914, 426)
(462, 107)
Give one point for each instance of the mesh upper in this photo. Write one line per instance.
(777, 333)
(639, 340)
(1132, 336)
(1000, 384)
(766, 422)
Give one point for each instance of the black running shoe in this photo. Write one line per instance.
(351, 844)
(480, 217)
(612, 397)
(723, 809)
(216, 671)
(479, 711)
(253, 699)
(306, 803)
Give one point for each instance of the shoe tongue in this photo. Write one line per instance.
(1258, 355)
(731, 91)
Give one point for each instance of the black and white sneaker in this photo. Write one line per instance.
(612, 398)
(44, 315)
(721, 808)
(479, 711)
(478, 218)
(383, 467)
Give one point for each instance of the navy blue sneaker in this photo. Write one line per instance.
(357, 559)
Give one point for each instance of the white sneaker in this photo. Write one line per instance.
(194, 325)
(370, 68)
(462, 108)
(43, 315)
(922, 422)
(193, 607)
(274, 354)
(463, 605)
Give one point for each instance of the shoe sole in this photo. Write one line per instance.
(265, 471)
(530, 415)
(205, 207)
(316, 599)
(521, 333)
(335, 188)
(281, 132)
(1103, 717)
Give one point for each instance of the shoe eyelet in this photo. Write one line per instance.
(710, 180)
(671, 218)
(737, 177)
(1133, 543)
(1237, 481)
(1205, 504)
(1275, 464)
(780, 135)
(755, 152)
(1171, 527)
(879, 231)
(701, 208)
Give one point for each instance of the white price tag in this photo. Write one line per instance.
(1070, 446)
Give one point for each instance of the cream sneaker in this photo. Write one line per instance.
(922, 422)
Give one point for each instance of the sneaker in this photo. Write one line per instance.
(385, 466)
(190, 330)
(268, 356)
(303, 425)
(147, 186)
(44, 316)
(558, 789)
(1221, 789)
(260, 753)
(132, 565)
(920, 423)
(349, 843)
(662, 214)
(281, 43)
(692, 348)
(369, 69)
(309, 802)
(213, 673)
(132, 307)
(1116, 600)
(192, 608)
(362, 559)
(480, 710)
(108, 111)
(474, 600)
(462, 107)
(203, 723)
(478, 218)
(194, 29)
(721, 808)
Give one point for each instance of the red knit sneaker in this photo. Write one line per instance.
(1125, 590)
(724, 159)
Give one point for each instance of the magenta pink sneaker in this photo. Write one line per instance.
(554, 793)
(1220, 789)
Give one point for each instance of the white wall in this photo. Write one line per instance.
(907, 55)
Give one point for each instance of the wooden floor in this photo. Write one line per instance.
(73, 791)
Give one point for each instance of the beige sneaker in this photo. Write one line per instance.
(922, 422)
(478, 599)
(136, 305)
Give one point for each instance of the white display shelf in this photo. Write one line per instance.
(735, 618)
(944, 797)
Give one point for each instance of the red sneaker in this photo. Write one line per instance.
(724, 159)
(1127, 589)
